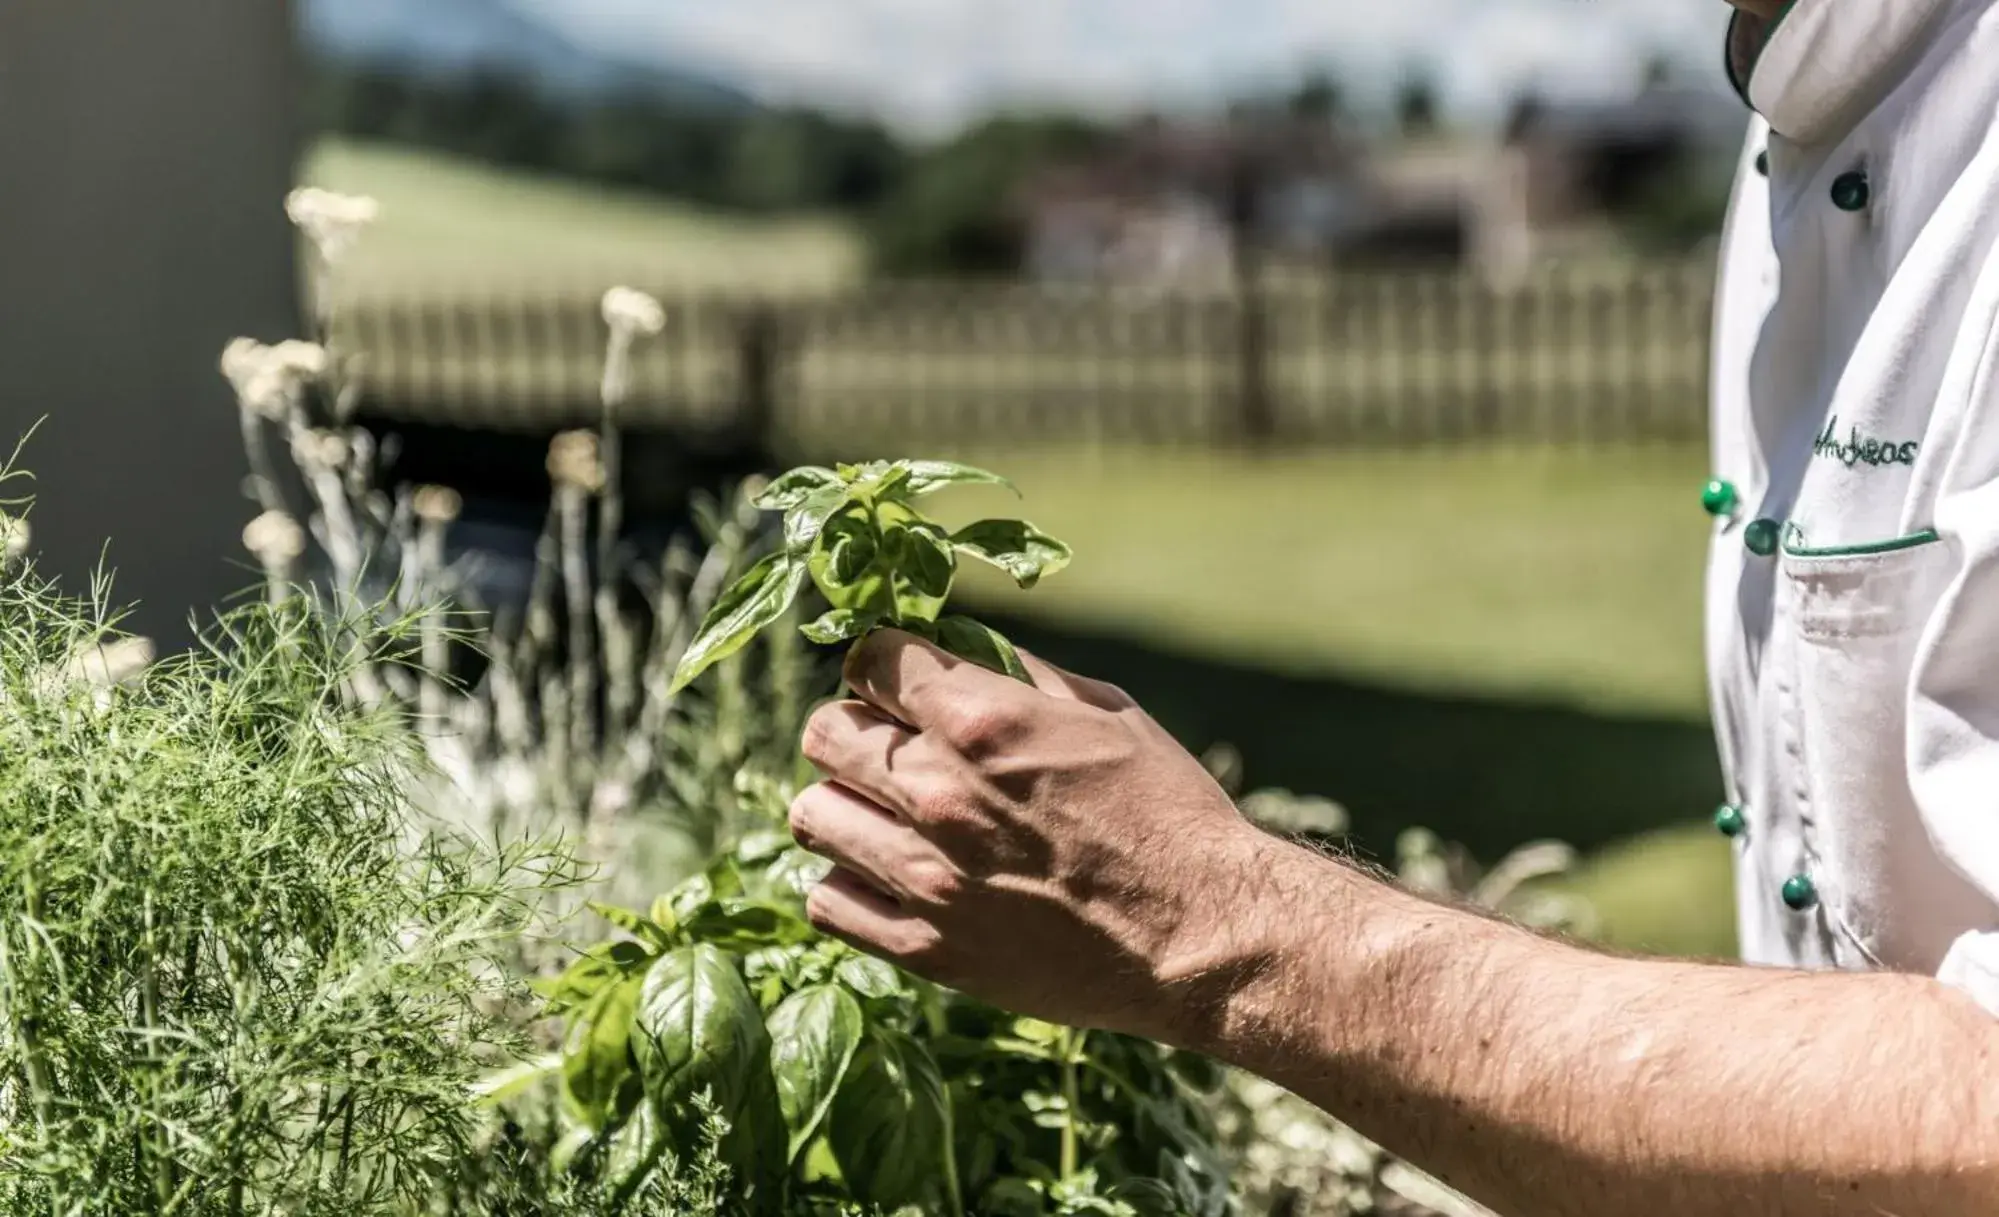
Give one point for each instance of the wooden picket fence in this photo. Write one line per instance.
(1610, 354)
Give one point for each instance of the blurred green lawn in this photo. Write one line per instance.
(465, 227)
(1558, 576)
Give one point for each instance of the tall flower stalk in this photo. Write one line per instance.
(572, 712)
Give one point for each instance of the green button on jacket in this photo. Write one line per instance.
(1761, 537)
(1850, 191)
(1800, 893)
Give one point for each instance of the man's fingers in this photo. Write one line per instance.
(859, 836)
(846, 907)
(911, 679)
(1056, 682)
(860, 747)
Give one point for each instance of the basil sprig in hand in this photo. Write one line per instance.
(856, 533)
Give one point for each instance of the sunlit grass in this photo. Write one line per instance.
(455, 225)
(1552, 575)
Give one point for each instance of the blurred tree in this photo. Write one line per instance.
(803, 158)
(863, 161)
(494, 117)
(775, 162)
(1675, 208)
(1523, 115)
(616, 144)
(1417, 111)
(1318, 96)
(953, 212)
(756, 159)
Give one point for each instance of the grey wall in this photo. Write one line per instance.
(145, 150)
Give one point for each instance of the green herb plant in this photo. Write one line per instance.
(847, 1085)
(238, 973)
(856, 532)
(845, 1082)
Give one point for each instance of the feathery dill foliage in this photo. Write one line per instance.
(237, 975)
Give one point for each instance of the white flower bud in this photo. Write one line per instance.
(630, 311)
(14, 536)
(274, 537)
(333, 221)
(269, 379)
(321, 450)
(301, 360)
(573, 461)
(436, 504)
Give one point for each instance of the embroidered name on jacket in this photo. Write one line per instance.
(1861, 450)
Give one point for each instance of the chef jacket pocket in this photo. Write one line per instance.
(1856, 616)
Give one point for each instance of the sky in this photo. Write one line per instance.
(931, 64)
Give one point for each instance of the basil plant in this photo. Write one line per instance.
(856, 533)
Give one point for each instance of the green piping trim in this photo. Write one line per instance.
(1741, 83)
(1793, 550)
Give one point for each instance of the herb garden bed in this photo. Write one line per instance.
(299, 924)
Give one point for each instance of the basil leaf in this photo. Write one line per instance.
(663, 914)
(926, 477)
(1016, 547)
(742, 925)
(634, 1156)
(890, 1126)
(758, 848)
(583, 980)
(793, 488)
(814, 1034)
(756, 600)
(804, 523)
(840, 625)
(932, 562)
(700, 1030)
(867, 976)
(867, 594)
(851, 555)
(596, 1054)
(794, 874)
(684, 901)
(637, 925)
(880, 480)
(724, 878)
(983, 645)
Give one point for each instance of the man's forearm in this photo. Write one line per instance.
(1548, 1080)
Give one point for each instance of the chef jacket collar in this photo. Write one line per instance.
(1821, 63)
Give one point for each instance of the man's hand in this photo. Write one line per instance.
(1051, 849)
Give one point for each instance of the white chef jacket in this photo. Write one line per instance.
(1853, 595)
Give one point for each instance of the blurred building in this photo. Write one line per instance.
(1579, 163)
(148, 149)
(1170, 204)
